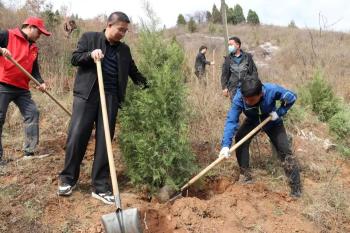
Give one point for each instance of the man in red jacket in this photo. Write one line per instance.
(14, 84)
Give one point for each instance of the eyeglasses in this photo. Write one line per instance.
(123, 30)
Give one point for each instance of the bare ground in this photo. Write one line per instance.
(29, 202)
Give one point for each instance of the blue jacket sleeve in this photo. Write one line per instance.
(287, 99)
(232, 123)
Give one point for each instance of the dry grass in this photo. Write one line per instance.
(301, 53)
(208, 109)
(328, 207)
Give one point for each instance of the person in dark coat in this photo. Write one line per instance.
(201, 63)
(237, 66)
(117, 66)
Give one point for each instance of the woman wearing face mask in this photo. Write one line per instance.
(237, 66)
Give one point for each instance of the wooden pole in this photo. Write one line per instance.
(108, 135)
(213, 70)
(224, 23)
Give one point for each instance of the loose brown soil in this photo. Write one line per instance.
(216, 204)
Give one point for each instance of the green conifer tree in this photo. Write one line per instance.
(238, 16)
(154, 123)
(216, 15)
(253, 18)
(181, 20)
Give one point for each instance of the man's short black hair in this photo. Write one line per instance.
(202, 47)
(251, 86)
(236, 39)
(118, 16)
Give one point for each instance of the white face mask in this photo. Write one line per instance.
(232, 49)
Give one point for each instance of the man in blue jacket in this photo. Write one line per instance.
(258, 101)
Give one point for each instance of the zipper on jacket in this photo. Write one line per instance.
(260, 113)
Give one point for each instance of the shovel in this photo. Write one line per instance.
(218, 160)
(120, 221)
(37, 83)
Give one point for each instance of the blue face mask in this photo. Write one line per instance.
(232, 49)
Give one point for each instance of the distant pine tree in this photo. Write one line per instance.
(238, 16)
(209, 16)
(230, 15)
(216, 15)
(192, 26)
(52, 19)
(253, 18)
(292, 24)
(181, 20)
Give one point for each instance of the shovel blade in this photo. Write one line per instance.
(122, 221)
(174, 198)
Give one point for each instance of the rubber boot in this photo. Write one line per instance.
(292, 171)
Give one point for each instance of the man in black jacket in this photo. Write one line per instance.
(117, 65)
(237, 66)
(201, 62)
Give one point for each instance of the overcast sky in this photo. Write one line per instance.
(305, 13)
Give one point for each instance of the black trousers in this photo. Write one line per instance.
(23, 99)
(85, 114)
(278, 136)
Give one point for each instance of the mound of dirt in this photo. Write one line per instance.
(241, 208)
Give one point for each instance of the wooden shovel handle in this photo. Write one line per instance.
(107, 134)
(233, 148)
